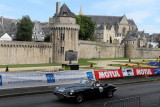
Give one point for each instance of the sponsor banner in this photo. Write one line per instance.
(68, 77)
(105, 74)
(0, 80)
(33, 79)
(128, 72)
(140, 72)
(156, 71)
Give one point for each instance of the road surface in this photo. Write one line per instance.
(149, 94)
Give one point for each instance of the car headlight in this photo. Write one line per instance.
(71, 92)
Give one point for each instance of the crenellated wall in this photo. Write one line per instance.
(88, 49)
(16, 52)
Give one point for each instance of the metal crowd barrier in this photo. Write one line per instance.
(127, 102)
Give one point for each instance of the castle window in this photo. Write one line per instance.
(62, 36)
(132, 42)
(62, 50)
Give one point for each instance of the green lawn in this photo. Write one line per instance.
(29, 65)
(82, 62)
(31, 70)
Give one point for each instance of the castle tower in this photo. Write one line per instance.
(81, 12)
(130, 47)
(65, 33)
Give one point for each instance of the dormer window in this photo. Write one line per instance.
(64, 13)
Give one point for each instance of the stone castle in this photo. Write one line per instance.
(117, 36)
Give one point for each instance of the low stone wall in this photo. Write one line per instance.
(16, 52)
(88, 49)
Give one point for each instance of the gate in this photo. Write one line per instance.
(127, 102)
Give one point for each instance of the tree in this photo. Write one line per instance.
(47, 38)
(86, 27)
(25, 27)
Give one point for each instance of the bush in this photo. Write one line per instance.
(91, 65)
(66, 68)
(129, 60)
(7, 70)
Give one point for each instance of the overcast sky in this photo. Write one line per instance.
(145, 13)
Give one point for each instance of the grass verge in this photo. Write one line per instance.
(29, 65)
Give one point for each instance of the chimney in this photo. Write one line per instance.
(2, 20)
(57, 7)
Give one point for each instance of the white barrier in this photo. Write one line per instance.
(10, 80)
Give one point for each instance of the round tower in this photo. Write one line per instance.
(65, 33)
(130, 47)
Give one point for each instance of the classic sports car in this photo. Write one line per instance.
(85, 88)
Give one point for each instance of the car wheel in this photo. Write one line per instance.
(109, 94)
(79, 98)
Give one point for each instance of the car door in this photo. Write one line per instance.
(92, 91)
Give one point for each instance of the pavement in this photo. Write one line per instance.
(105, 63)
(42, 68)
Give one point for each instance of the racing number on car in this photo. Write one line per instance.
(101, 89)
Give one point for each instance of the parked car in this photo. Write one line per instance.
(84, 89)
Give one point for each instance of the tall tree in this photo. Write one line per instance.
(47, 38)
(25, 27)
(86, 27)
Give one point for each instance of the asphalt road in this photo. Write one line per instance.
(149, 94)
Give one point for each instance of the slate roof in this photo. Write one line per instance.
(153, 40)
(131, 22)
(129, 38)
(155, 35)
(101, 27)
(108, 19)
(9, 26)
(65, 10)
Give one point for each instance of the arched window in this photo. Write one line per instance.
(110, 39)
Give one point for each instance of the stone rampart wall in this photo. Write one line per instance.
(89, 50)
(16, 52)
(145, 53)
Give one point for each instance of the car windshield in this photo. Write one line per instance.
(87, 82)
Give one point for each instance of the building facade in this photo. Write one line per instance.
(65, 33)
(110, 28)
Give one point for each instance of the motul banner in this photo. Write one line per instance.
(140, 72)
(105, 74)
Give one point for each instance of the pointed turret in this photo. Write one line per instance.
(81, 12)
(65, 12)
